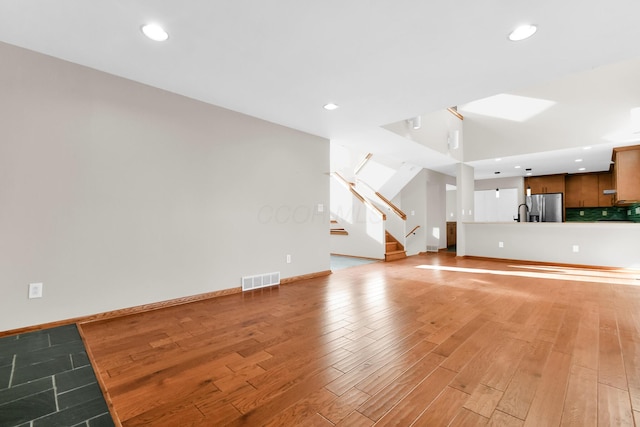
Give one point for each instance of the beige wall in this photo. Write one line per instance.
(115, 194)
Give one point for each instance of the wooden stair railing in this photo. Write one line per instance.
(412, 231)
(386, 201)
(454, 111)
(358, 196)
(393, 207)
(362, 163)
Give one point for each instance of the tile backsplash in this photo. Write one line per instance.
(613, 213)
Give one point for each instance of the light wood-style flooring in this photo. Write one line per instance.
(430, 340)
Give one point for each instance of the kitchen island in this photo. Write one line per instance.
(603, 244)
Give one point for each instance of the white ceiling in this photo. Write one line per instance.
(381, 61)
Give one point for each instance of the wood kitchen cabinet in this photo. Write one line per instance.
(626, 174)
(545, 184)
(581, 191)
(605, 182)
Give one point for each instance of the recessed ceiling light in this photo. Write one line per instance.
(517, 167)
(155, 32)
(330, 106)
(498, 159)
(582, 169)
(587, 148)
(578, 160)
(522, 32)
(529, 173)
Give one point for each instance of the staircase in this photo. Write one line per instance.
(394, 250)
(337, 229)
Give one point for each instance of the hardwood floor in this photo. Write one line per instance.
(430, 340)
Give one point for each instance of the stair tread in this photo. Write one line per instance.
(396, 255)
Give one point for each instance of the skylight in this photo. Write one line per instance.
(508, 107)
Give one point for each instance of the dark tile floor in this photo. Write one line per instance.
(46, 379)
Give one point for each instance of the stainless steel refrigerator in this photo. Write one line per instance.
(544, 207)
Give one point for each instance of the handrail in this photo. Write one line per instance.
(358, 196)
(454, 111)
(385, 201)
(393, 207)
(412, 231)
(362, 163)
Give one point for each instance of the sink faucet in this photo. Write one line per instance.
(526, 211)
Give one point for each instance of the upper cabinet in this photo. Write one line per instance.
(605, 182)
(545, 184)
(581, 191)
(587, 190)
(626, 174)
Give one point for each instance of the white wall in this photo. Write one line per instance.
(426, 197)
(344, 160)
(599, 244)
(489, 208)
(464, 201)
(413, 202)
(365, 226)
(436, 210)
(516, 182)
(452, 206)
(115, 194)
(434, 132)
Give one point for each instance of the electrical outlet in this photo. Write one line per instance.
(35, 290)
(638, 210)
(320, 208)
(288, 259)
(581, 213)
(604, 213)
(501, 244)
(576, 248)
(413, 213)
